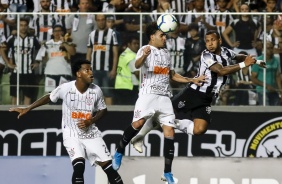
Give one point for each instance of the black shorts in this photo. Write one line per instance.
(27, 85)
(196, 104)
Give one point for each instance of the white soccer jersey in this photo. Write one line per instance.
(155, 71)
(77, 106)
(56, 64)
(213, 82)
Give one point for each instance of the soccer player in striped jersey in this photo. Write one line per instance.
(82, 139)
(154, 96)
(195, 100)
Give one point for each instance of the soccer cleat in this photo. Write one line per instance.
(168, 177)
(137, 143)
(116, 162)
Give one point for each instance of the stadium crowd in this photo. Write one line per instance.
(49, 43)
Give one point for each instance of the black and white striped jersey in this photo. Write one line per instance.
(61, 5)
(178, 6)
(213, 82)
(190, 17)
(43, 24)
(176, 47)
(17, 1)
(102, 42)
(27, 47)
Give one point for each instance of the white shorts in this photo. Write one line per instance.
(91, 149)
(156, 106)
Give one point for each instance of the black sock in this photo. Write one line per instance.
(113, 176)
(168, 153)
(128, 134)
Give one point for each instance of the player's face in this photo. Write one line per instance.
(159, 39)
(213, 43)
(57, 33)
(86, 74)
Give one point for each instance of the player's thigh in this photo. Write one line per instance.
(74, 148)
(166, 115)
(145, 106)
(201, 117)
(96, 150)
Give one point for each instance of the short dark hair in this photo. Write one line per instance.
(23, 19)
(213, 32)
(77, 65)
(193, 26)
(151, 29)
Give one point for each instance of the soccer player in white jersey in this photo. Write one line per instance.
(154, 96)
(216, 64)
(81, 137)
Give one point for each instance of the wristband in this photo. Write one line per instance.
(242, 65)
(259, 62)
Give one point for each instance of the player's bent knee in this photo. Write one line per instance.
(199, 130)
(78, 171)
(138, 124)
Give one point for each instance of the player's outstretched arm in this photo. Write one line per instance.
(23, 110)
(179, 78)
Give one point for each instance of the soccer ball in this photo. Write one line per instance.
(167, 23)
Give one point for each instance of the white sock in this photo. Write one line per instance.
(147, 127)
(185, 125)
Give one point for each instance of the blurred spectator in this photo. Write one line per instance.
(56, 53)
(113, 6)
(17, 5)
(61, 6)
(103, 53)
(244, 93)
(270, 6)
(246, 32)
(145, 5)
(110, 23)
(41, 24)
(193, 49)
(79, 26)
(210, 5)
(24, 64)
(273, 78)
(175, 44)
(222, 19)
(189, 5)
(163, 7)
(204, 21)
(132, 22)
(127, 79)
(178, 6)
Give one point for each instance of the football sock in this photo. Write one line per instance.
(78, 170)
(113, 176)
(128, 134)
(168, 153)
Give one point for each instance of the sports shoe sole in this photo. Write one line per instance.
(136, 141)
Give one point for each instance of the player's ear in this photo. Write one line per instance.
(78, 74)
